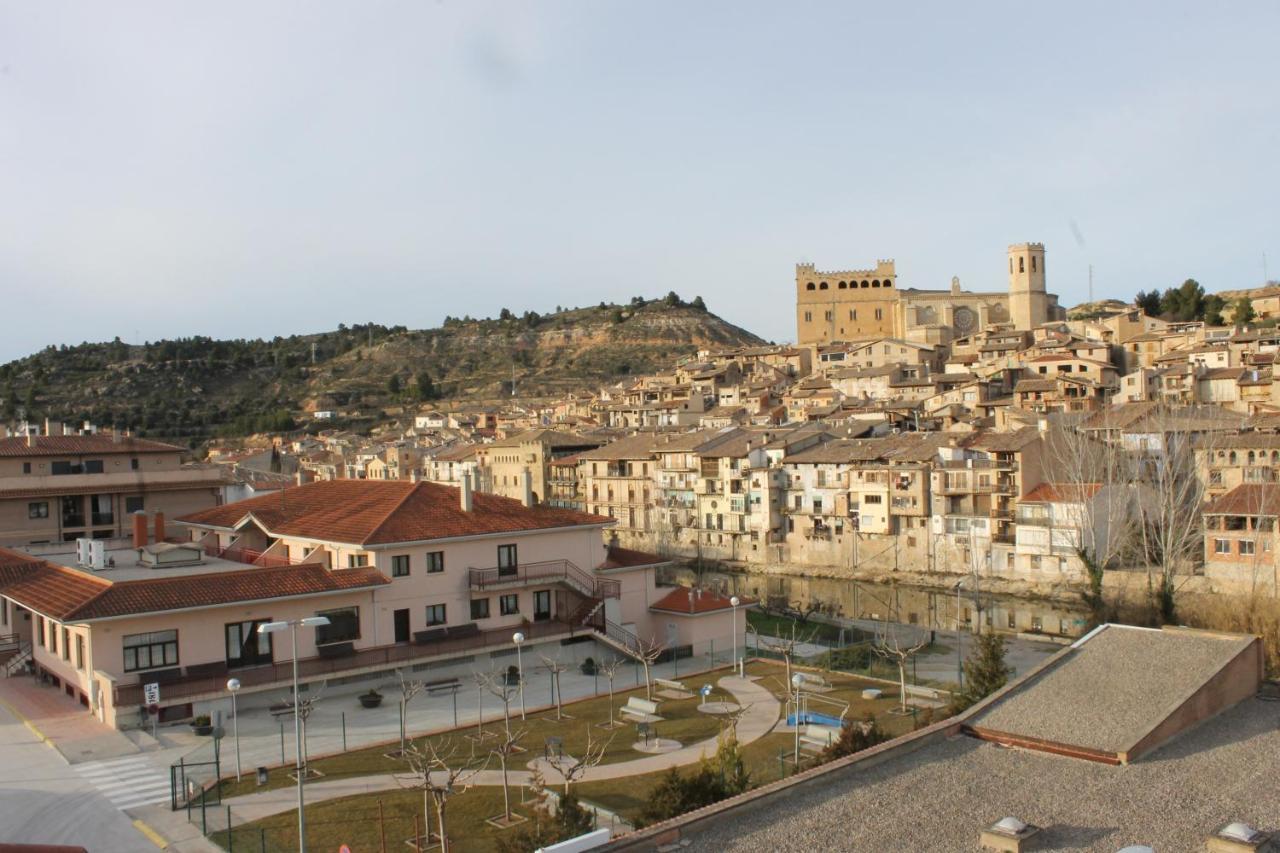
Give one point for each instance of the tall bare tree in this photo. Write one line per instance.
(555, 666)
(784, 647)
(894, 642)
(440, 769)
(496, 684)
(610, 670)
(504, 750)
(646, 653)
(409, 688)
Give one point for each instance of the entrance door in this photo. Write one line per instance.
(401, 618)
(541, 605)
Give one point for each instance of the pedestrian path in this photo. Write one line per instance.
(127, 782)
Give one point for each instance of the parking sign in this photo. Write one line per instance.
(151, 693)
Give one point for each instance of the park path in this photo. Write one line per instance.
(761, 714)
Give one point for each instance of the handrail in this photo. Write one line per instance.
(18, 660)
(582, 582)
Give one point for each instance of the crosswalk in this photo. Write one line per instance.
(127, 782)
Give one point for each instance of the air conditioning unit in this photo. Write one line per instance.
(82, 551)
(97, 554)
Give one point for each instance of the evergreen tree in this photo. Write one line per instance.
(1213, 305)
(1242, 310)
(393, 385)
(425, 387)
(672, 300)
(698, 304)
(985, 672)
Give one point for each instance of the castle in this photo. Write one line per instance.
(851, 305)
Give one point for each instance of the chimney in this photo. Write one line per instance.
(32, 438)
(413, 475)
(300, 477)
(1043, 424)
(46, 427)
(139, 529)
(115, 436)
(526, 483)
(464, 492)
(1238, 837)
(159, 522)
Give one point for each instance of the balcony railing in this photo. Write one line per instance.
(547, 571)
(252, 557)
(281, 673)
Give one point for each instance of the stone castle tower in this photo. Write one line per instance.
(1028, 300)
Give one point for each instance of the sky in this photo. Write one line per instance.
(252, 169)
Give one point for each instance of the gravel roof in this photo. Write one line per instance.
(941, 796)
(1112, 690)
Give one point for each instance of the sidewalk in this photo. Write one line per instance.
(762, 711)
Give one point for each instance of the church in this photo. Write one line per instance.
(851, 305)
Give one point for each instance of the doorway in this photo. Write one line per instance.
(401, 620)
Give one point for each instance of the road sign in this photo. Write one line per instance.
(151, 693)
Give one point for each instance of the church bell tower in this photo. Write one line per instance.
(1028, 299)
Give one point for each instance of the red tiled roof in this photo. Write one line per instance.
(70, 595)
(1062, 492)
(380, 512)
(134, 488)
(71, 445)
(621, 558)
(1248, 499)
(693, 602)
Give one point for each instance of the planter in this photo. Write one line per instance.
(203, 730)
(370, 700)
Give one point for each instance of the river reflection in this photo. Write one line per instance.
(931, 607)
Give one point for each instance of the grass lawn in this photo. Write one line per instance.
(355, 820)
(780, 626)
(682, 721)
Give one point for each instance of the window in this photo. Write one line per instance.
(873, 499)
(93, 466)
(38, 509)
(344, 626)
(435, 562)
(150, 651)
(1013, 619)
(53, 637)
(479, 608)
(66, 644)
(509, 605)
(1037, 624)
(245, 646)
(435, 614)
(39, 632)
(355, 561)
(808, 316)
(133, 463)
(1246, 547)
(879, 313)
(26, 467)
(133, 504)
(400, 566)
(80, 652)
(1222, 546)
(507, 560)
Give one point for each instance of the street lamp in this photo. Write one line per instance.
(233, 684)
(518, 639)
(737, 661)
(293, 625)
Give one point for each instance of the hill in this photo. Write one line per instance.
(194, 388)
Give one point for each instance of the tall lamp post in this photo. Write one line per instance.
(518, 639)
(737, 661)
(233, 684)
(796, 681)
(293, 625)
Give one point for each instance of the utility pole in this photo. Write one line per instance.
(1090, 284)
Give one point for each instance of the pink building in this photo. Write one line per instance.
(407, 573)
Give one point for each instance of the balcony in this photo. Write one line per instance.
(210, 679)
(547, 571)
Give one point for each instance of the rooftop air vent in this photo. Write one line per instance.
(1008, 835)
(1238, 837)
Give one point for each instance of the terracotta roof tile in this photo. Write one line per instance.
(1248, 499)
(693, 602)
(381, 512)
(69, 445)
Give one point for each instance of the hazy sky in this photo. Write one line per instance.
(259, 168)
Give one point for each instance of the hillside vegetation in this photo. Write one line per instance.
(194, 388)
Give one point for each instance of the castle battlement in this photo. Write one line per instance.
(884, 267)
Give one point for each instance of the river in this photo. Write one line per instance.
(930, 607)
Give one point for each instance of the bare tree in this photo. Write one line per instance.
(646, 653)
(892, 645)
(305, 707)
(439, 769)
(507, 747)
(610, 671)
(784, 647)
(409, 687)
(555, 666)
(481, 682)
(497, 685)
(572, 768)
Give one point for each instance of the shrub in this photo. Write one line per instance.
(855, 737)
(588, 666)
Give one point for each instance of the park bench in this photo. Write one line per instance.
(669, 689)
(925, 697)
(444, 685)
(641, 710)
(455, 632)
(814, 682)
(816, 738)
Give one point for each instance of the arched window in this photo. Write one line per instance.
(1231, 457)
(844, 285)
(822, 286)
(875, 283)
(1251, 457)
(888, 283)
(866, 283)
(1022, 264)
(1033, 263)
(809, 286)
